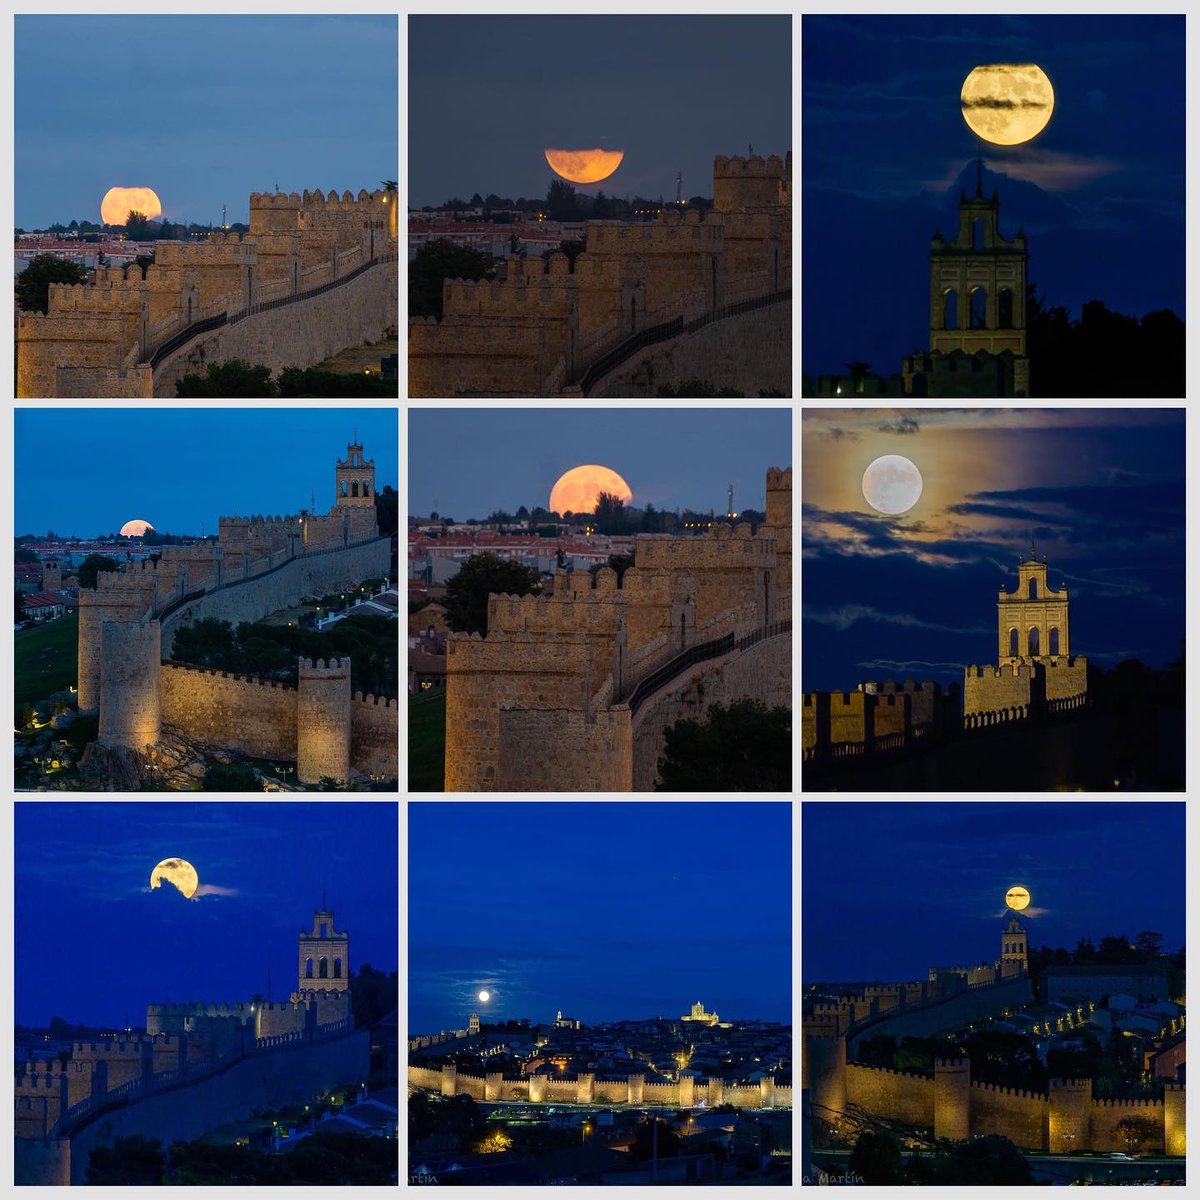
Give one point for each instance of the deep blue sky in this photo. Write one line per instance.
(1099, 193)
(469, 462)
(915, 595)
(87, 471)
(204, 109)
(606, 911)
(95, 945)
(488, 94)
(922, 884)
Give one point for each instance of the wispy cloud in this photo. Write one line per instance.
(906, 424)
(845, 615)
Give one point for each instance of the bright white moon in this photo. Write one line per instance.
(892, 484)
(484, 997)
(1007, 103)
(178, 871)
(1017, 898)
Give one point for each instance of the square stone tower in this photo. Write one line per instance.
(355, 483)
(324, 956)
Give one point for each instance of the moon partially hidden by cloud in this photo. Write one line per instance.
(119, 202)
(584, 166)
(579, 488)
(1007, 103)
(1017, 897)
(892, 484)
(177, 871)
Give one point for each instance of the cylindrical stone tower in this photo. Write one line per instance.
(130, 697)
(825, 1076)
(125, 603)
(952, 1098)
(323, 720)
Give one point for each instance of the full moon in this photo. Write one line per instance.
(1007, 103)
(135, 528)
(178, 871)
(484, 997)
(584, 166)
(891, 484)
(578, 490)
(119, 202)
(1017, 898)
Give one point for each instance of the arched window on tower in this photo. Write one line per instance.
(337, 968)
(1004, 309)
(308, 968)
(345, 488)
(323, 970)
(1054, 651)
(1035, 642)
(1014, 644)
(354, 488)
(977, 234)
(366, 488)
(950, 309)
(1033, 588)
(978, 308)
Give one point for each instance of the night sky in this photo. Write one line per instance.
(914, 596)
(204, 109)
(923, 884)
(95, 945)
(1099, 193)
(469, 462)
(86, 472)
(488, 94)
(605, 911)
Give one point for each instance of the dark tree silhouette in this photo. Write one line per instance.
(477, 578)
(32, 289)
(436, 261)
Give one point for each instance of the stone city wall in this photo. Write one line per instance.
(289, 1074)
(902, 1095)
(255, 716)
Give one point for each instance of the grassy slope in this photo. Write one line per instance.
(45, 659)
(427, 744)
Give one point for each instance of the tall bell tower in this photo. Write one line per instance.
(977, 283)
(1032, 622)
(355, 484)
(1014, 948)
(324, 955)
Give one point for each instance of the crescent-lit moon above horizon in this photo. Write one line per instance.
(892, 484)
(578, 489)
(1007, 103)
(1017, 898)
(119, 202)
(584, 166)
(177, 871)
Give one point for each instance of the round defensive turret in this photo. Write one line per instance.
(323, 720)
(130, 697)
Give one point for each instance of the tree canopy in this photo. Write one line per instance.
(92, 566)
(438, 260)
(478, 577)
(742, 747)
(32, 289)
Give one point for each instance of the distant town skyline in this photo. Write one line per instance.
(85, 472)
(205, 109)
(488, 94)
(602, 937)
(466, 462)
(94, 944)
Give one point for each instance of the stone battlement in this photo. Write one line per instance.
(755, 166)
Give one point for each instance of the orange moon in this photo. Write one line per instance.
(119, 202)
(578, 490)
(135, 528)
(584, 166)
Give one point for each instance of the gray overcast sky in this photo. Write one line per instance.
(488, 94)
(468, 462)
(204, 109)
